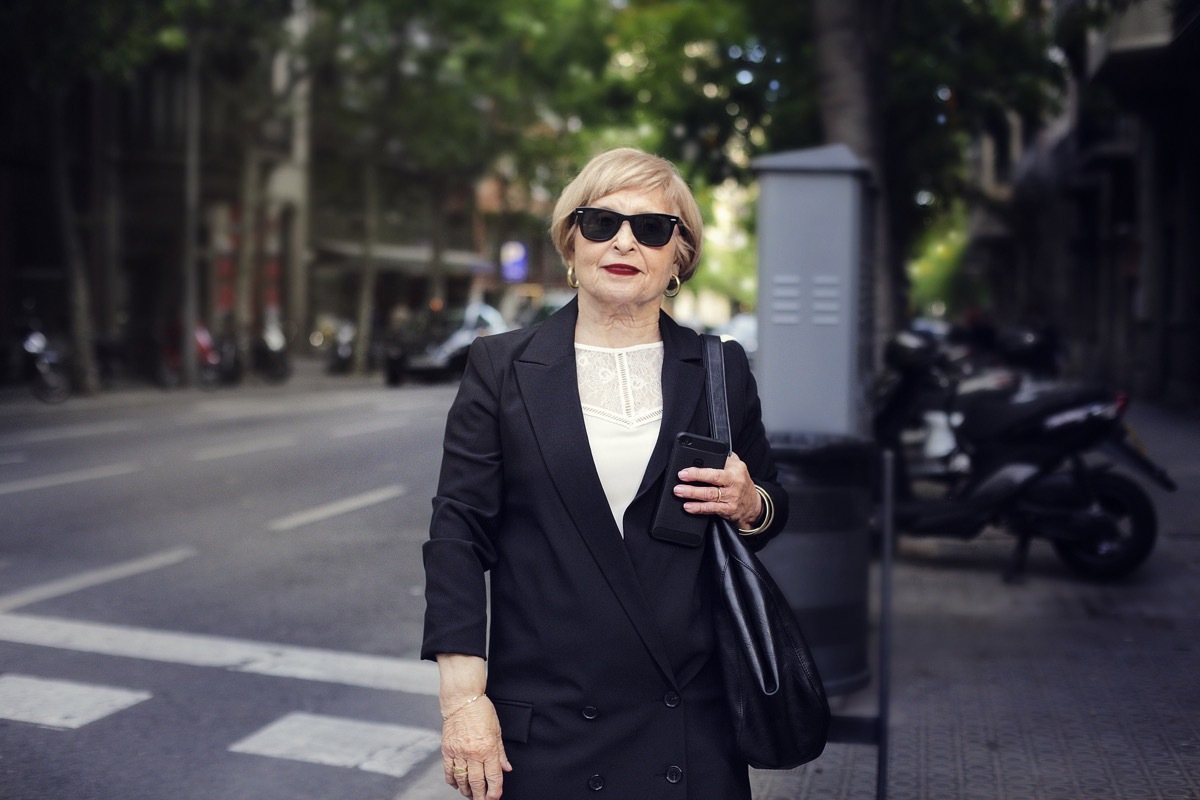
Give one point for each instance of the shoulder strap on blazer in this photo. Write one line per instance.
(718, 403)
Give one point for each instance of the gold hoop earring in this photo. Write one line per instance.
(572, 281)
(669, 292)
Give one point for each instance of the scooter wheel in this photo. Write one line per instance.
(1135, 527)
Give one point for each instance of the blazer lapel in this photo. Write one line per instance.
(548, 381)
(683, 388)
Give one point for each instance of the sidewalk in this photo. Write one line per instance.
(1056, 689)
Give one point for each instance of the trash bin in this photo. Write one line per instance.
(821, 558)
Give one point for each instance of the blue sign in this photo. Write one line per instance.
(514, 262)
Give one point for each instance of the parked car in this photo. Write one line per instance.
(434, 343)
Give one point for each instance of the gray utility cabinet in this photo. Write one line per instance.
(814, 291)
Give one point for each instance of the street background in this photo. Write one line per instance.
(218, 595)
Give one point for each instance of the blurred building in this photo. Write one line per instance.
(1094, 227)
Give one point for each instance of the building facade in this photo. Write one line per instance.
(1098, 232)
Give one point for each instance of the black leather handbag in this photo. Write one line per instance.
(776, 698)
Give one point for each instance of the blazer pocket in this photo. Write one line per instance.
(514, 719)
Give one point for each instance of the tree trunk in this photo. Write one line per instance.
(851, 55)
(86, 378)
(191, 222)
(437, 242)
(243, 311)
(370, 269)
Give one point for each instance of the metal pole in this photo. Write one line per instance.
(885, 623)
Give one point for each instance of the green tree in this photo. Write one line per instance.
(542, 74)
(395, 102)
(58, 46)
(254, 63)
(933, 75)
(426, 98)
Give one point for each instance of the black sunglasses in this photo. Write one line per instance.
(600, 225)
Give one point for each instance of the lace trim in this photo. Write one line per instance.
(621, 385)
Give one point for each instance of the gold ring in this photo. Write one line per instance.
(718, 494)
(460, 770)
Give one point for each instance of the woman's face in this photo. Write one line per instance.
(623, 272)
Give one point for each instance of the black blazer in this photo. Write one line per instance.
(600, 647)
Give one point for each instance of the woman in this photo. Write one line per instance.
(600, 673)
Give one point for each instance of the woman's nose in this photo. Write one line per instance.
(625, 238)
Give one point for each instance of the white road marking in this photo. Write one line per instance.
(333, 509)
(244, 448)
(64, 478)
(86, 580)
(236, 408)
(371, 426)
(61, 704)
(334, 741)
(238, 655)
(77, 431)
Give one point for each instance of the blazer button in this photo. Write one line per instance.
(674, 774)
(671, 699)
(596, 783)
(590, 712)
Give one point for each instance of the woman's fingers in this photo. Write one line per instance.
(728, 492)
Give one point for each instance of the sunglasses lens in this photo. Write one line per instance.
(600, 225)
(651, 229)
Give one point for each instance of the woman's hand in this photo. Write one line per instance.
(730, 492)
(472, 751)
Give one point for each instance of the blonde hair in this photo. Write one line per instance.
(630, 168)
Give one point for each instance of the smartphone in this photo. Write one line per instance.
(671, 522)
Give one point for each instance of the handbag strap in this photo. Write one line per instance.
(718, 402)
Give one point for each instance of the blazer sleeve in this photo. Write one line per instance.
(466, 512)
(750, 438)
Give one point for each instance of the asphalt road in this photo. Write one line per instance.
(217, 595)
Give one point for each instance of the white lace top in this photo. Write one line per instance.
(621, 393)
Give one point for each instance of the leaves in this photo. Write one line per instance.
(56, 42)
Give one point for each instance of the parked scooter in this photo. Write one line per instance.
(270, 355)
(206, 353)
(48, 372)
(1019, 359)
(1024, 460)
(341, 354)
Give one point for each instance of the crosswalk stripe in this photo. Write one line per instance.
(61, 704)
(369, 746)
(239, 655)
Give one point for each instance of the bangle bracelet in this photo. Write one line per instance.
(461, 707)
(768, 514)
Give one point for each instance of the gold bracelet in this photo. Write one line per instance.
(768, 514)
(460, 708)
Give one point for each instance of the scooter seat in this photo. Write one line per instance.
(991, 414)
